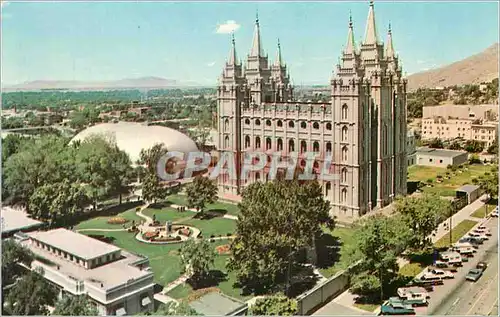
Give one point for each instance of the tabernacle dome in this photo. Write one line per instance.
(132, 137)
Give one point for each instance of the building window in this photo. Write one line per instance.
(329, 126)
(328, 187)
(247, 121)
(291, 146)
(226, 125)
(291, 124)
(247, 141)
(303, 125)
(280, 145)
(226, 141)
(316, 147)
(344, 175)
(316, 125)
(280, 123)
(430, 160)
(257, 176)
(268, 123)
(344, 133)
(344, 195)
(344, 153)
(344, 111)
(303, 146)
(257, 122)
(257, 142)
(440, 161)
(268, 143)
(329, 147)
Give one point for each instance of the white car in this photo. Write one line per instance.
(432, 274)
(483, 230)
(478, 235)
(495, 213)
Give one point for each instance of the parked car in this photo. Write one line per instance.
(475, 241)
(482, 265)
(483, 230)
(474, 275)
(414, 295)
(395, 306)
(477, 235)
(437, 273)
(495, 212)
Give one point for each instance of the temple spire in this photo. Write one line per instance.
(257, 44)
(233, 59)
(371, 29)
(389, 51)
(278, 61)
(350, 46)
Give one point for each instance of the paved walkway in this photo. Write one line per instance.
(194, 210)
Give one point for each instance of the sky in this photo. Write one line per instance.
(190, 41)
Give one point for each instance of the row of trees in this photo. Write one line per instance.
(55, 181)
(471, 146)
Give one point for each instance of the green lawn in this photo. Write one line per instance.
(215, 226)
(163, 259)
(448, 186)
(485, 210)
(412, 269)
(228, 208)
(345, 238)
(101, 222)
(184, 290)
(166, 214)
(456, 233)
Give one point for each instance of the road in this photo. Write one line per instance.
(461, 297)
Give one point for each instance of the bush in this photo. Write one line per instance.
(430, 180)
(117, 221)
(137, 209)
(212, 236)
(229, 234)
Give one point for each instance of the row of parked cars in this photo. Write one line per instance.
(418, 291)
(494, 213)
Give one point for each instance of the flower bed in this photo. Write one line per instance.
(223, 249)
(185, 232)
(150, 235)
(166, 239)
(117, 221)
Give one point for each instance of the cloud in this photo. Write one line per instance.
(229, 27)
(210, 64)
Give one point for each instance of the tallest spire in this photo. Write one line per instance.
(371, 29)
(257, 44)
(350, 46)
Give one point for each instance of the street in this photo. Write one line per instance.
(461, 297)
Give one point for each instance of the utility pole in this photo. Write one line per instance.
(451, 216)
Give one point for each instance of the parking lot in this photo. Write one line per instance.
(460, 297)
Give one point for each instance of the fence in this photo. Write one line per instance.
(314, 298)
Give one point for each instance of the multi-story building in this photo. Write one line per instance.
(116, 282)
(363, 125)
(458, 121)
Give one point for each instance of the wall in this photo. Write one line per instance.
(318, 296)
(460, 159)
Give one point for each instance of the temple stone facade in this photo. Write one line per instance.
(363, 126)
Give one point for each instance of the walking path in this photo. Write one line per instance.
(194, 210)
(348, 299)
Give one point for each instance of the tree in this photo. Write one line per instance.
(57, 202)
(474, 146)
(273, 306)
(422, 216)
(474, 159)
(493, 148)
(436, 144)
(30, 295)
(11, 144)
(75, 306)
(455, 145)
(490, 183)
(176, 309)
(14, 254)
(201, 192)
(378, 240)
(196, 259)
(277, 219)
(152, 188)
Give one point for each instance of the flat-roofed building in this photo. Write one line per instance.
(447, 122)
(117, 282)
(15, 220)
(440, 157)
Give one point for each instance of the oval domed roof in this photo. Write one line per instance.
(132, 137)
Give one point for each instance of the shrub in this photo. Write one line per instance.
(430, 180)
(137, 209)
(117, 221)
(439, 177)
(229, 234)
(149, 235)
(212, 236)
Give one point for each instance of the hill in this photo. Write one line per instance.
(128, 83)
(482, 67)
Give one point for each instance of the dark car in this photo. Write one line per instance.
(482, 265)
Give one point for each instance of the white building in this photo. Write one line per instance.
(116, 282)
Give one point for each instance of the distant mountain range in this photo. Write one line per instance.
(129, 83)
(478, 68)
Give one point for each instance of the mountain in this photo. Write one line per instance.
(128, 83)
(482, 67)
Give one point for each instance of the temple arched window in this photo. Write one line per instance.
(291, 146)
(280, 145)
(303, 146)
(268, 143)
(344, 111)
(316, 147)
(257, 142)
(344, 133)
(247, 141)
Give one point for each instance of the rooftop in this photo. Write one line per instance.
(439, 152)
(215, 304)
(74, 243)
(110, 275)
(16, 220)
(468, 188)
